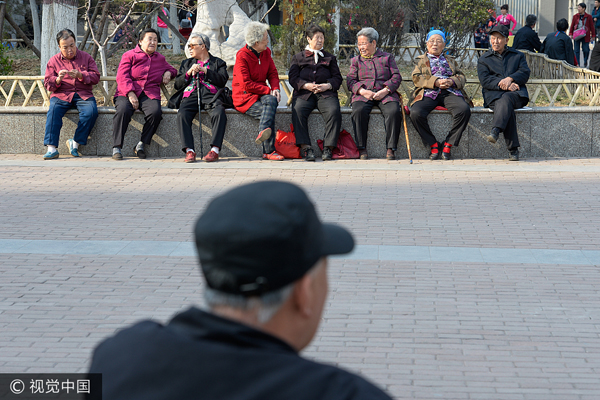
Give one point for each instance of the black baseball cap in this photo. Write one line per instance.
(501, 29)
(262, 236)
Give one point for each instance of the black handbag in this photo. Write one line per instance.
(225, 95)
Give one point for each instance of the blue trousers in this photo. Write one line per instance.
(585, 47)
(88, 113)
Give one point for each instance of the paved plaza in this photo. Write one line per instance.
(472, 279)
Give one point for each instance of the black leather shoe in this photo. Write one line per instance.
(309, 154)
(493, 136)
(140, 153)
(327, 155)
(435, 156)
(446, 155)
(514, 155)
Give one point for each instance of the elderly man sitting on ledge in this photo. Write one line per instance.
(503, 72)
(70, 77)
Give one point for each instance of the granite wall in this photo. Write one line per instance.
(543, 132)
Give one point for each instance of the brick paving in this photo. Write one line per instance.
(421, 329)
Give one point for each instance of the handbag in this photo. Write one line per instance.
(346, 148)
(285, 143)
(580, 33)
(225, 95)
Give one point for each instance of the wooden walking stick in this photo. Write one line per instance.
(405, 129)
(199, 114)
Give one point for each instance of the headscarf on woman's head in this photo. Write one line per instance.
(436, 32)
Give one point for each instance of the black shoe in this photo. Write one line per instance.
(327, 155)
(514, 155)
(446, 154)
(435, 156)
(309, 154)
(493, 136)
(140, 153)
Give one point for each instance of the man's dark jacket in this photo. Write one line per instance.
(216, 75)
(527, 39)
(304, 70)
(491, 69)
(559, 46)
(198, 355)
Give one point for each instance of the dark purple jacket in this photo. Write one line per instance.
(304, 70)
(374, 74)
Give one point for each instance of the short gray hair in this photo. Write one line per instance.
(255, 31)
(203, 38)
(266, 305)
(369, 33)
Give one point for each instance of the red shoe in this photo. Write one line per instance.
(190, 156)
(211, 156)
(263, 135)
(273, 156)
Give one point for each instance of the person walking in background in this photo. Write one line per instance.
(526, 38)
(315, 76)
(503, 73)
(253, 67)
(140, 73)
(482, 33)
(582, 31)
(596, 16)
(373, 79)
(70, 77)
(198, 81)
(506, 19)
(163, 29)
(438, 82)
(558, 45)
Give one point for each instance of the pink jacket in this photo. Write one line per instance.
(506, 20)
(139, 72)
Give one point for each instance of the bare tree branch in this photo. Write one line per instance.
(272, 7)
(171, 27)
(94, 16)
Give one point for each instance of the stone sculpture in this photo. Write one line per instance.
(211, 18)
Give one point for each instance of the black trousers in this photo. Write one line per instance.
(329, 107)
(152, 112)
(461, 113)
(361, 114)
(188, 110)
(505, 118)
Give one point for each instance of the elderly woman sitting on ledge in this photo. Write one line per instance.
(438, 82)
(373, 79)
(253, 67)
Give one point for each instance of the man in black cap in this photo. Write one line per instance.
(263, 252)
(503, 73)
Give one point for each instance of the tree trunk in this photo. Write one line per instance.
(175, 21)
(101, 25)
(35, 20)
(2, 10)
(28, 42)
(90, 25)
(56, 15)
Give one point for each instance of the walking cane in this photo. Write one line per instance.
(199, 115)
(405, 129)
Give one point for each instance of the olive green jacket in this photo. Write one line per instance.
(423, 79)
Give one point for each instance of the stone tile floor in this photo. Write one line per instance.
(473, 279)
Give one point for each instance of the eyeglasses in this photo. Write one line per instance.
(192, 45)
(436, 41)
